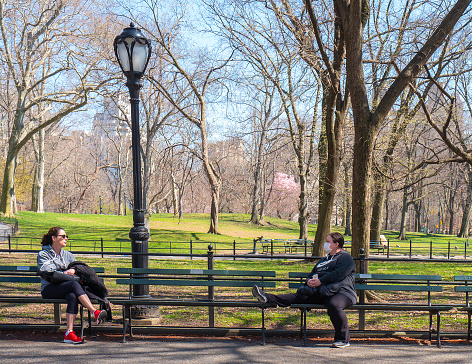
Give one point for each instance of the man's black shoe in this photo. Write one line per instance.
(261, 297)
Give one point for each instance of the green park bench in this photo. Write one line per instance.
(385, 282)
(12, 279)
(211, 278)
(466, 287)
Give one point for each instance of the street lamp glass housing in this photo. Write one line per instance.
(132, 51)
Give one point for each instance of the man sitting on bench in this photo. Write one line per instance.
(331, 282)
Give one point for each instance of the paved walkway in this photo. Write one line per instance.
(226, 350)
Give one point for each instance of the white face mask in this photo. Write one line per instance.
(326, 247)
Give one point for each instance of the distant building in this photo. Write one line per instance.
(112, 121)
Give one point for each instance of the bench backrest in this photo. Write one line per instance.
(195, 277)
(386, 282)
(25, 273)
(466, 287)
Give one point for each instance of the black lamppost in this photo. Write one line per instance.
(100, 204)
(132, 51)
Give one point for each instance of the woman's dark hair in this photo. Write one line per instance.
(338, 238)
(47, 238)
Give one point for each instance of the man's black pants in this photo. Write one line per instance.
(335, 304)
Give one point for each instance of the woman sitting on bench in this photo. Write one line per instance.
(53, 259)
(331, 282)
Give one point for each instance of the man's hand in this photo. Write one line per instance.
(314, 282)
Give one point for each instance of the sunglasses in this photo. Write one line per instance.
(63, 236)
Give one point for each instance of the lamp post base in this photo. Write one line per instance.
(145, 315)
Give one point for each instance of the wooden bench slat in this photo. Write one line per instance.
(403, 277)
(183, 282)
(463, 288)
(395, 287)
(463, 278)
(20, 279)
(222, 272)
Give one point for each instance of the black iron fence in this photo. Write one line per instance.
(270, 248)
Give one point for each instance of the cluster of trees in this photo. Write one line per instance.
(351, 109)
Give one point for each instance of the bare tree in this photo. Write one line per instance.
(37, 37)
(367, 121)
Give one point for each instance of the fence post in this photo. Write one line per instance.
(271, 249)
(448, 250)
(465, 249)
(430, 249)
(9, 243)
(101, 245)
(362, 292)
(305, 247)
(410, 248)
(211, 289)
(388, 248)
(191, 250)
(234, 249)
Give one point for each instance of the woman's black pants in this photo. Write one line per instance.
(335, 304)
(70, 290)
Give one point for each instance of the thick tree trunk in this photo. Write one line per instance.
(330, 171)
(361, 180)
(7, 204)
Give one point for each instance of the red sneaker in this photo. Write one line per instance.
(100, 316)
(72, 338)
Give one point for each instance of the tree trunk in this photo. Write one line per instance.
(464, 230)
(37, 204)
(377, 208)
(347, 199)
(256, 191)
(215, 198)
(361, 179)
(402, 234)
(303, 207)
(328, 179)
(7, 205)
(175, 195)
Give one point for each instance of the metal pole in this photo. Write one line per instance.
(101, 242)
(138, 234)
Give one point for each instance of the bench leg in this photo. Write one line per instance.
(124, 323)
(438, 325)
(90, 322)
(301, 324)
(263, 326)
(57, 313)
(304, 327)
(469, 313)
(81, 321)
(430, 325)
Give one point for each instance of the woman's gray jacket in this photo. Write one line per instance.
(48, 261)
